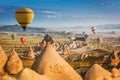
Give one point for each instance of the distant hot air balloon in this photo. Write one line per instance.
(24, 17)
(13, 36)
(93, 30)
(22, 39)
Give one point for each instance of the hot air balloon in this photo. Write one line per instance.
(13, 36)
(93, 30)
(22, 39)
(24, 17)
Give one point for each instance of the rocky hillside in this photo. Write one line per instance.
(17, 28)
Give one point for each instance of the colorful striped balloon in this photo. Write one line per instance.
(24, 17)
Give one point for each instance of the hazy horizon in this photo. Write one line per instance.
(79, 29)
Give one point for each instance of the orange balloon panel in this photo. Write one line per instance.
(22, 39)
(24, 16)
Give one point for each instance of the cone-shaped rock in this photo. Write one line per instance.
(96, 72)
(31, 53)
(54, 66)
(29, 74)
(48, 38)
(14, 64)
(116, 59)
(115, 72)
(3, 60)
(7, 77)
(116, 78)
(66, 50)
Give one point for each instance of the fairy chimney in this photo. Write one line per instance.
(115, 72)
(3, 60)
(56, 46)
(14, 64)
(96, 72)
(48, 38)
(52, 65)
(31, 53)
(44, 42)
(66, 49)
(116, 59)
(29, 74)
(7, 77)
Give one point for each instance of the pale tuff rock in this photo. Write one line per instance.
(29, 74)
(56, 46)
(115, 72)
(116, 59)
(49, 39)
(96, 72)
(7, 77)
(107, 79)
(3, 60)
(14, 64)
(46, 39)
(66, 49)
(44, 43)
(38, 47)
(31, 53)
(116, 78)
(50, 64)
(99, 40)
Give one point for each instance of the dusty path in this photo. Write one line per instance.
(83, 49)
(80, 50)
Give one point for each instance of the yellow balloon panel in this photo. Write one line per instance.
(24, 16)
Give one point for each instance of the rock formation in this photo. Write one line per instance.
(7, 77)
(116, 59)
(66, 49)
(3, 60)
(96, 72)
(29, 74)
(14, 64)
(56, 45)
(115, 72)
(52, 65)
(48, 38)
(31, 53)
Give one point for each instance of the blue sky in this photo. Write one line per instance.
(63, 13)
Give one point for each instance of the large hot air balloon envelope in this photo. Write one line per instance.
(24, 17)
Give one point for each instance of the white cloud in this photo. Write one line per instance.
(75, 16)
(52, 16)
(48, 12)
(94, 16)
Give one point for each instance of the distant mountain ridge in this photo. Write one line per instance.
(17, 28)
(100, 28)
